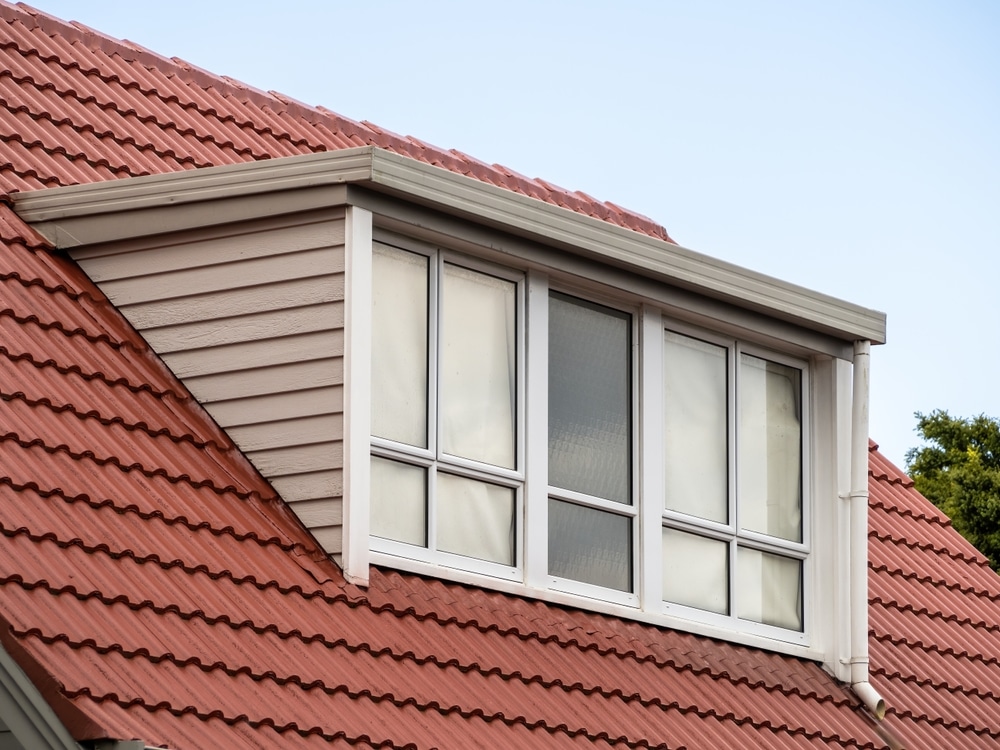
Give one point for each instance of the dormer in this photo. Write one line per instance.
(449, 378)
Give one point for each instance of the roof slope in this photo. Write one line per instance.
(154, 587)
(80, 107)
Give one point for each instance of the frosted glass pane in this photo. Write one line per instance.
(590, 400)
(769, 588)
(589, 545)
(695, 571)
(475, 519)
(398, 502)
(695, 427)
(399, 346)
(770, 448)
(478, 366)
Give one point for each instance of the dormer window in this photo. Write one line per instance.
(463, 478)
(445, 377)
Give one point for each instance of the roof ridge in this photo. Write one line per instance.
(151, 515)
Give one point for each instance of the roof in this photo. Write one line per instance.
(154, 586)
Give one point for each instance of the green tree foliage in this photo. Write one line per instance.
(959, 471)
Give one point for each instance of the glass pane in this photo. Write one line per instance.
(399, 345)
(478, 366)
(770, 448)
(696, 467)
(695, 571)
(588, 545)
(590, 399)
(475, 519)
(770, 588)
(398, 502)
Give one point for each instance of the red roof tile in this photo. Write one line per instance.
(150, 573)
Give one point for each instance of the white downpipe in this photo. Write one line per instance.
(859, 533)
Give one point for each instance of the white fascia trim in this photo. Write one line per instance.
(79, 214)
(29, 717)
(357, 394)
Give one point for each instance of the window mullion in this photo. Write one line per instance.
(650, 485)
(536, 535)
(434, 316)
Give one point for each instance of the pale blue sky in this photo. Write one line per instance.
(851, 147)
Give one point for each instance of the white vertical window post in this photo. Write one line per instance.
(651, 479)
(536, 540)
(357, 392)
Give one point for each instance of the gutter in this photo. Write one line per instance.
(859, 533)
(80, 215)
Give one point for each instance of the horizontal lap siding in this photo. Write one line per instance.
(253, 323)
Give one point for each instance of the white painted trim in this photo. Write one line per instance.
(536, 510)
(602, 606)
(357, 394)
(651, 447)
(89, 214)
(26, 713)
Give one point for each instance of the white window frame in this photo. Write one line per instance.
(433, 458)
(542, 290)
(529, 576)
(654, 327)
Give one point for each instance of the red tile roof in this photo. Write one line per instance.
(155, 587)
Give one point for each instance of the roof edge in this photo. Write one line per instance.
(36, 722)
(79, 215)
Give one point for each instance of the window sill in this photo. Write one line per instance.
(758, 639)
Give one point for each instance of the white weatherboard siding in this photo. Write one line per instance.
(252, 320)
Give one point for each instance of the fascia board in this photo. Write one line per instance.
(623, 247)
(27, 715)
(78, 215)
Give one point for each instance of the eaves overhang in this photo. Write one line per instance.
(81, 215)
